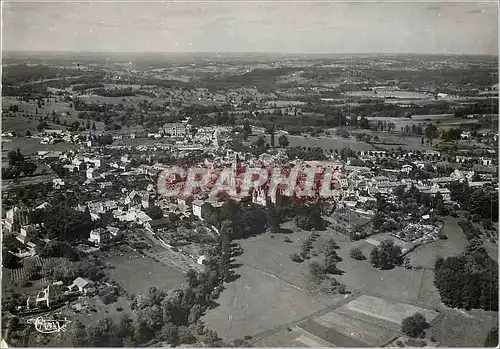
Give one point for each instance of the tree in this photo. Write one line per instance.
(260, 142)
(78, 336)
(42, 125)
(342, 132)
(28, 133)
(170, 333)
(283, 141)
(9, 261)
(357, 254)
(378, 220)
(317, 271)
(386, 255)
(414, 325)
(15, 157)
(195, 314)
(364, 123)
(469, 280)
(154, 212)
(492, 338)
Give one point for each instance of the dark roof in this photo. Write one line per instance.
(487, 169)
(159, 222)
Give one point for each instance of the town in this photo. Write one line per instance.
(379, 226)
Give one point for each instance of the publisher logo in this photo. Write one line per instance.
(49, 325)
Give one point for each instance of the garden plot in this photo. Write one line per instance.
(356, 329)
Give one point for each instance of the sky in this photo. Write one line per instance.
(252, 26)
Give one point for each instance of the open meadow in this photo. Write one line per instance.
(271, 289)
(30, 146)
(128, 268)
(424, 256)
(325, 142)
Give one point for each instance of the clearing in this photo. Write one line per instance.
(129, 267)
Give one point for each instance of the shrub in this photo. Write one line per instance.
(356, 253)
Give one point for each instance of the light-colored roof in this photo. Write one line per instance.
(81, 282)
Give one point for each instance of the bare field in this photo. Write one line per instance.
(385, 310)
(127, 270)
(331, 335)
(355, 328)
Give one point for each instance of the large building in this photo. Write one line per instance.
(175, 129)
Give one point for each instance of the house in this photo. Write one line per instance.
(486, 161)
(113, 230)
(81, 285)
(185, 202)
(77, 161)
(99, 236)
(201, 260)
(57, 183)
(90, 173)
(259, 197)
(50, 295)
(27, 231)
(201, 208)
(488, 171)
(465, 135)
(175, 129)
(146, 201)
(156, 224)
(407, 169)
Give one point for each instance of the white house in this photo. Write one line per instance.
(99, 236)
(57, 183)
(81, 285)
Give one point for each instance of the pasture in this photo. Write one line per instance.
(398, 283)
(464, 329)
(29, 146)
(271, 289)
(136, 274)
(284, 104)
(424, 256)
(324, 142)
(259, 301)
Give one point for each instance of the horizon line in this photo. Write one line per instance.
(251, 52)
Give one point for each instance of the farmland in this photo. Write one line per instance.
(357, 323)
